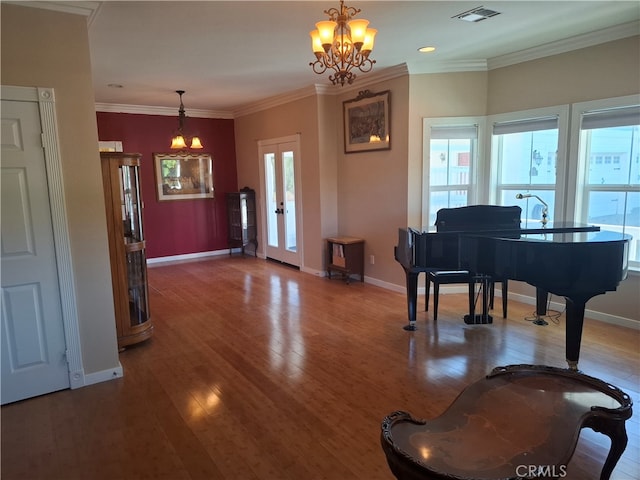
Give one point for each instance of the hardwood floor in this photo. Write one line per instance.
(258, 371)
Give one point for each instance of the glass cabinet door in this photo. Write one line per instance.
(134, 244)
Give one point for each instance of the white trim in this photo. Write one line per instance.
(46, 100)
(86, 9)
(164, 111)
(526, 299)
(264, 104)
(431, 66)
(104, 375)
(566, 45)
(186, 256)
(590, 314)
(62, 244)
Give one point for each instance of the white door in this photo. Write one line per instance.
(280, 166)
(33, 341)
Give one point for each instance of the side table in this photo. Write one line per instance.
(346, 256)
(520, 421)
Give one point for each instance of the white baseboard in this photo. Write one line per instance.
(188, 256)
(601, 316)
(102, 376)
(528, 300)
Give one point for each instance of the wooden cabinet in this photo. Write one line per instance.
(123, 203)
(345, 256)
(241, 218)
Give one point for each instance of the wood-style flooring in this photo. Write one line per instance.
(258, 371)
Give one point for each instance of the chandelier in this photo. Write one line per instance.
(342, 44)
(180, 140)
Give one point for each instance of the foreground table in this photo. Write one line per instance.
(520, 421)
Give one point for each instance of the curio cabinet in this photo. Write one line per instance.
(123, 203)
(241, 217)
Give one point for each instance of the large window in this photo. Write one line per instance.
(450, 164)
(586, 170)
(608, 180)
(525, 149)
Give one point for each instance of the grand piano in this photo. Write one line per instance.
(576, 262)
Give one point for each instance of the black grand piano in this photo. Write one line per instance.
(576, 262)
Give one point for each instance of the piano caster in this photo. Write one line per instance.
(411, 327)
(573, 365)
(540, 321)
(478, 319)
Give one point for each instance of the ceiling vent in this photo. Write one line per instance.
(476, 15)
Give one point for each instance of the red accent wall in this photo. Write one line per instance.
(181, 226)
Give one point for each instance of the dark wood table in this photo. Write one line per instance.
(520, 421)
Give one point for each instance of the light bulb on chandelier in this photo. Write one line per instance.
(179, 140)
(342, 44)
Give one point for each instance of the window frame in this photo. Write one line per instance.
(578, 187)
(475, 160)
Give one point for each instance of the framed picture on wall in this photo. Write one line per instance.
(366, 122)
(183, 176)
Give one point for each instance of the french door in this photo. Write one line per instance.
(279, 170)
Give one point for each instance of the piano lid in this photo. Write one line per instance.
(568, 237)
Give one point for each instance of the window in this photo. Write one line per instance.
(451, 151)
(525, 152)
(608, 191)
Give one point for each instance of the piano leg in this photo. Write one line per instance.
(412, 298)
(575, 320)
(541, 306)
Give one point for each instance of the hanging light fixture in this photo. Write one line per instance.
(179, 141)
(342, 44)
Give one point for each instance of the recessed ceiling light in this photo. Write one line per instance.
(476, 14)
(428, 49)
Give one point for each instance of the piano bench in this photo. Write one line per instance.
(447, 277)
(520, 421)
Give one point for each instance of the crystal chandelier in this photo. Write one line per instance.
(342, 44)
(179, 140)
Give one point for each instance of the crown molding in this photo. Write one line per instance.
(448, 66)
(165, 111)
(322, 89)
(553, 48)
(378, 76)
(567, 45)
(275, 101)
(86, 9)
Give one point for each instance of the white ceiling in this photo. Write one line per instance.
(229, 54)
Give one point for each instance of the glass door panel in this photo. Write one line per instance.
(289, 181)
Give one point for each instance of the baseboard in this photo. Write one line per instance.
(188, 256)
(447, 289)
(103, 376)
(593, 314)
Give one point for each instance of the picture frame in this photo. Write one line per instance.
(367, 123)
(183, 176)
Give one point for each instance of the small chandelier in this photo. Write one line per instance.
(179, 141)
(342, 44)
